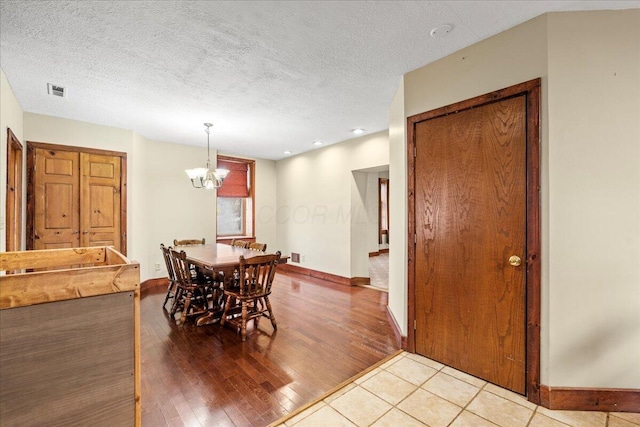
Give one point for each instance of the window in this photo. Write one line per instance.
(235, 198)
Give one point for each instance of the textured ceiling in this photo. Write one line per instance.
(271, 76)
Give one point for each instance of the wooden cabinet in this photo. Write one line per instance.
(69, 338)
(75, 197)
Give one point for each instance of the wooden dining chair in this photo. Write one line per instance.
(251, 292)
(171, 289)
(188, 242)
(240, 243)
(190, 296)
(195, 273)
(258, 246)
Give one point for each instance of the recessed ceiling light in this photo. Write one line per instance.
(317, 142)
(441, 30)
(358, 131)
(287, 152)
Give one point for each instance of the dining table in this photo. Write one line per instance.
(217, 257)
(220, 261)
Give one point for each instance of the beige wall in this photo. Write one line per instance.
(138, 234)
(594, 199)
(590, 69)
(360, 221)
(398, 210)
(10, 117)
(173, 208)
(265, 199)
(314, 192)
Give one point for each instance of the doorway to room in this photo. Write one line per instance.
(14, 193)
(369, 227)
(379, 271)
(379, 260)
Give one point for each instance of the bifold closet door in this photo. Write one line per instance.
(77, 199)
(100, 200)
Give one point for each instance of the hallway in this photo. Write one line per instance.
(379, 271)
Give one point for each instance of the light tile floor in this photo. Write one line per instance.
(411, 390)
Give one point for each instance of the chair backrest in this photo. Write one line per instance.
(166, 253)
(258, 246)
(256, 274)
(188, 242)
(240, 243)
(181, 267)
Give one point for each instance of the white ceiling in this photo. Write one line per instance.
(270, 76)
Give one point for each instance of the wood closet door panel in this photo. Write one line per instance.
(470, 217)
(100, 200)
(56, 199)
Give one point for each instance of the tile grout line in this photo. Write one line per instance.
(469, 403)
(480, 389)
(335, 389)
(419, 387)
(533, 414)
(535, 411)
(353, 421)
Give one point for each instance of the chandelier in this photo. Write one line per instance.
(205, 178)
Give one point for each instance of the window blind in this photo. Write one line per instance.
(236, 184)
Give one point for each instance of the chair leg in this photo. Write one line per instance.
(177, 297)
(243, 329)
(169, 289)
(185, 309)
(255, 311)
(271, 316)
(227, 305)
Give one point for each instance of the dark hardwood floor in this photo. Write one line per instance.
(205, 376)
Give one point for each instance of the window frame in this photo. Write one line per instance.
(249, 226)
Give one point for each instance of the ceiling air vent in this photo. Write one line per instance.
(56, 90)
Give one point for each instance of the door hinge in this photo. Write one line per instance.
(415, 238)
(415, 324)
(415, 152)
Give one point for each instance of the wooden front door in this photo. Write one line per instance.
(470, 224)
(75, 198)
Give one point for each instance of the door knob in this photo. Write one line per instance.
(515, 260)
